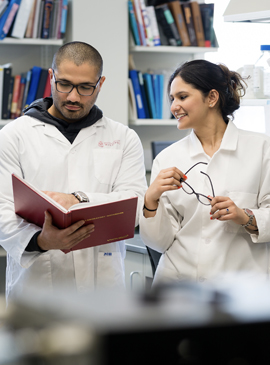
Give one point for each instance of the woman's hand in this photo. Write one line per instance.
(167, 180)
(224, 209)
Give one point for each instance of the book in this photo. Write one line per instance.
(133, 74)
(47, 89)
(180, 23)
(21, 20)
(133, 24)
(132, 109)
(207, 14)
(153, 24)
(47, 16)
(189, 23)
(166, 21)
(143, 94)
(41, 83)
(197, 21)
(1, 87)
(5, 91)
(114, 221)
(21, 93)
(147, 25)
(150, 95)
(140, 24)
(3, 6)
(10, 93)
(35, 75)
(8, 17)
(30, 23)
(36, 19)
(40, 19)
(26, 88)
(63, 23)
(15, 96)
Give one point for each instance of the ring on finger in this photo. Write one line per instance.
(227, 210)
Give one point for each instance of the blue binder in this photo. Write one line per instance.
(133, 75)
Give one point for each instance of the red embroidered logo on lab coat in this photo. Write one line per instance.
(108, 144)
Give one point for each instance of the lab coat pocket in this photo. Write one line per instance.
(242, 200)
(107, 163)
(110, 270)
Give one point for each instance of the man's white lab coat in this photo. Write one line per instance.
(105, 161)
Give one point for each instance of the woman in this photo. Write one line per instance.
(207, 209)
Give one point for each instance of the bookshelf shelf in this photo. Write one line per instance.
(171, 49)
(32, 41)
(152, 122)
(255, 102)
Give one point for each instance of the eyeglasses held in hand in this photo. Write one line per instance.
(66, 87)
(189, 190)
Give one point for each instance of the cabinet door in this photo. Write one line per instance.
(137, 271)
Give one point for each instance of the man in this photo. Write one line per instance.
(65, 146)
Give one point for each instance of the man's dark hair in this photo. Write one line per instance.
(79, 53)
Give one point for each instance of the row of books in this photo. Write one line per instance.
(18, 91)
(44, 19)
(148, 95)
(173, 23)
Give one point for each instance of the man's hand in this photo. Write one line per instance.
(66, 200)
(52, 238)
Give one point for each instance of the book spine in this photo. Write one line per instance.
(165, 19)
(30, 24)
(147, 25)
(139, 19)
(19, 104)
(5, 90)
(189, 22)
(9, 21)
(207, 12)
(179, 19)
(133, 24)
(15, 96)
(133, 74)
(198, 26)
(64, 18)
(47, 18)
(153, 24)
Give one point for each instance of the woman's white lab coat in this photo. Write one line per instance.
(105, 161)
(195, 247)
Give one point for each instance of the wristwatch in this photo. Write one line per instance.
(82, 197)
(250, 214)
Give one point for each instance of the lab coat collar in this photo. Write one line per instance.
(229, 141)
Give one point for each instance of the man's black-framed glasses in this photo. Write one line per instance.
(189, 190)
(66, 87)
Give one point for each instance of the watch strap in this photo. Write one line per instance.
(250, 214)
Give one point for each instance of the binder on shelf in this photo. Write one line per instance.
(189, 23)
(15, 96)
(143, 93)
(197, 21)
(153, 24)
(21, 19)
(207, 14)
(5, 90)
(133, 24)
(133, 74)
(8, 17)
(3, 6)
(166, 22)
(35, 75)
(150, 95)
(180, 23)
(132, 108)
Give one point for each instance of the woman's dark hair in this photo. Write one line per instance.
(205, 76)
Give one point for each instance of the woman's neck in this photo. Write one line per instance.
(211, 136)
